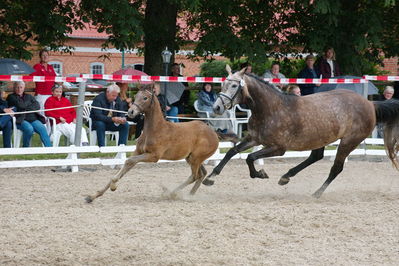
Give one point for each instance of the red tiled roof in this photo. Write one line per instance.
(89, 32)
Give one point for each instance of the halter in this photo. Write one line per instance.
(241, 84)
(139, 106)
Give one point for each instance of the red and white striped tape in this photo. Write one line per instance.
(40, 78)
(83, 78)
(382, 78)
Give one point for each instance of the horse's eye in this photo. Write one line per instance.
(234, 86)
(145, 98)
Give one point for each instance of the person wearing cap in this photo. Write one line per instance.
(308, 72)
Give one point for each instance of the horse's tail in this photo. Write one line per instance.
(228, 137)
(387, 113)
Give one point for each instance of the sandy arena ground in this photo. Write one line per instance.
(238, 221)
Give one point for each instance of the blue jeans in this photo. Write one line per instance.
(36, 126)
(6, 127)
(173, 112)
(101, 127)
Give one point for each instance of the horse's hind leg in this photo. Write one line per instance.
(344, 149)
(263, 153)
(129, 164)
(242, 146)
(202, 174)
(314, 156)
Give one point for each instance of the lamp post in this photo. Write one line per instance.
(166, 55)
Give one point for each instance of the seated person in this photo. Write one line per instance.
(274, 73)
(30, 122)
(5, 121)
(126, 103)
(293, 90)
(206, 99)
(65, 118)
(104, 120)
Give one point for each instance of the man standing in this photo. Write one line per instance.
(106, 120)
(308, 72)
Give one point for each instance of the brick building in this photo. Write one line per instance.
(85, 58)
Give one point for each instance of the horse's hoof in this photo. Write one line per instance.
(208, 182)
(283, 181)
(260, 174)
(112, 187)
(88, 199)
(317, 194)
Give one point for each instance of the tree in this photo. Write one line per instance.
(29, 23)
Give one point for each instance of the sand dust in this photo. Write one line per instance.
(238, 221)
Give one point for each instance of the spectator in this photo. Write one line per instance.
(388, 92)
(65, 118)
(105, 120)
(308, 72)
(274, 73)
(293, 90)
(206, 99)
(248, 67)
(126, 103)
(327, 66)
(43, 89)
(29, 122)
(5, 121)
(180, 106)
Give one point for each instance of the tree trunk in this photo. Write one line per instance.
(159, 32)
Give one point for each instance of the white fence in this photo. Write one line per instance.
(72, 160)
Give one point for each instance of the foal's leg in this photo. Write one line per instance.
(314, 156)
(130, 162)
(193, 176)
(242, 146)
(263, 153)
(201, 175)
(344, 149)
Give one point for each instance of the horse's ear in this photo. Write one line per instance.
(228, 69)
(242, 72)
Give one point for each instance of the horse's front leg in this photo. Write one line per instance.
(263, 153)
(245, 144)
(129, 164)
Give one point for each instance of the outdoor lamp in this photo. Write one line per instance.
(166, 55)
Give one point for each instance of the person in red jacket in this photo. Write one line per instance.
(43, 89)
(65, 118)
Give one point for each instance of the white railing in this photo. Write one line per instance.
(73, 161)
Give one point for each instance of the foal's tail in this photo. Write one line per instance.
(387, 113)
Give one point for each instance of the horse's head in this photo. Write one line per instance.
(234, 91)
(142, 101)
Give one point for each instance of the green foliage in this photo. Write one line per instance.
(29, 23)
(215, 68)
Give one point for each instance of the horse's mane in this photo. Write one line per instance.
(261, 80)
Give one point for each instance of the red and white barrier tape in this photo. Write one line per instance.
(382, 78)
(132, 78)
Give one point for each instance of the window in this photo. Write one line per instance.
(97, 68)
(57, 67)
(137, 66)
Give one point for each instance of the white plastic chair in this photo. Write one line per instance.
(17, 134)
(200, 111)
(92, 132)
(237, 124)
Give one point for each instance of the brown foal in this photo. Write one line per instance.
(161, 139)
